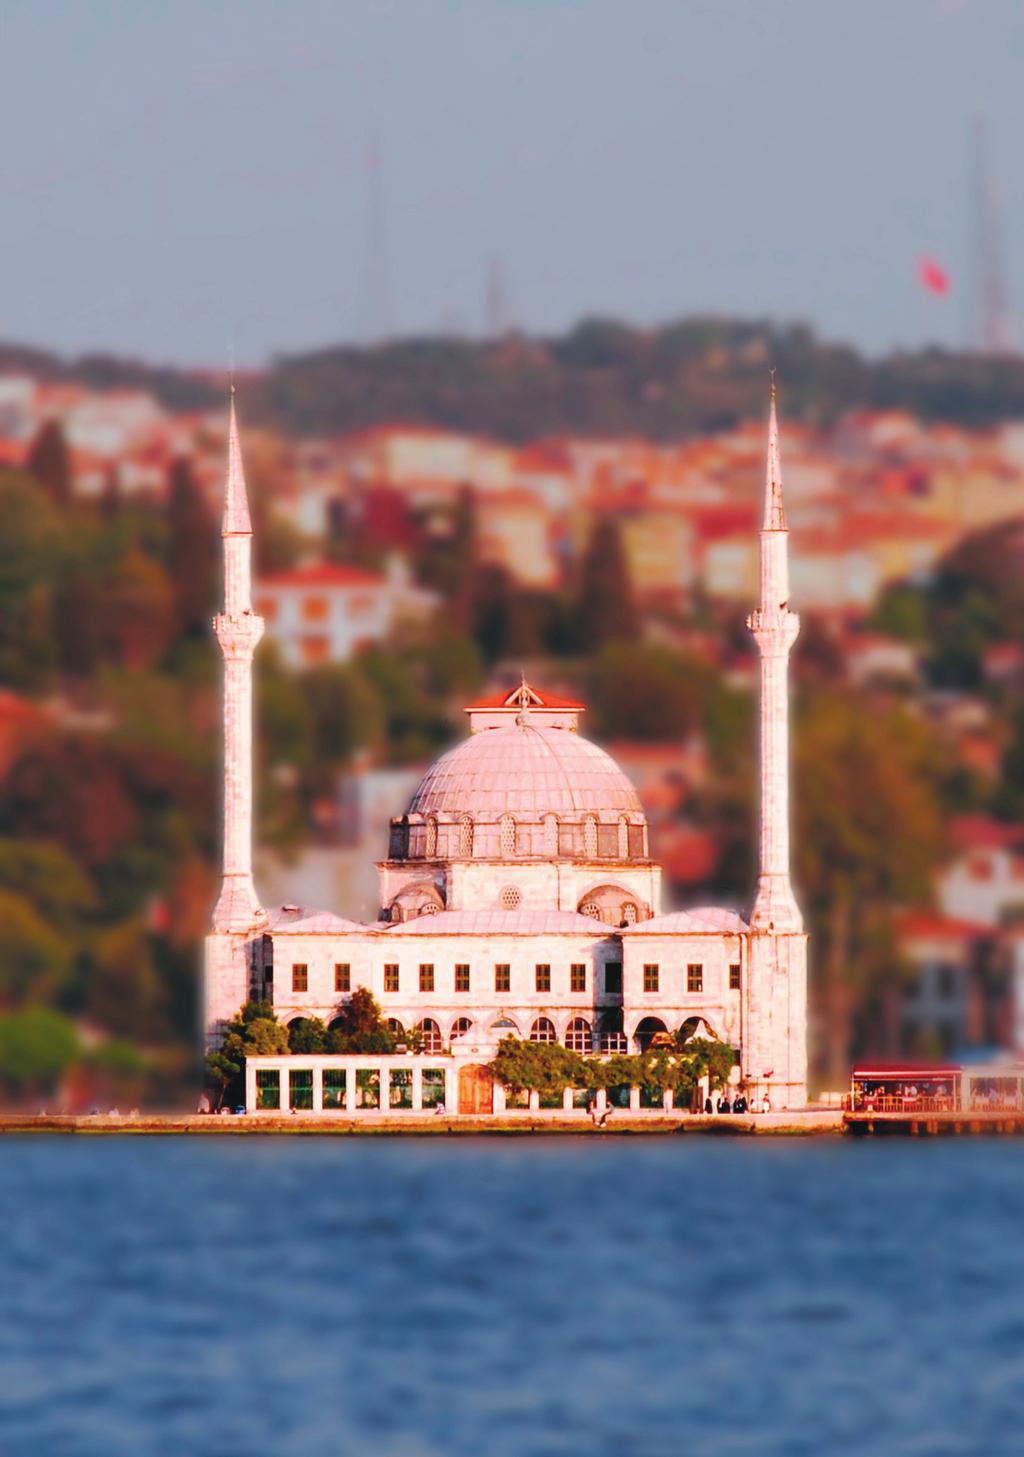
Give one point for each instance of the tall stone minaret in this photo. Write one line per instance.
(238, 631)
(774, 629)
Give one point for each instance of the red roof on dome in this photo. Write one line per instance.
(511, 699)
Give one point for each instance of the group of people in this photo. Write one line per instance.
(739, 1104)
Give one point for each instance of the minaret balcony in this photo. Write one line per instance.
(775, 630)
(238, 635)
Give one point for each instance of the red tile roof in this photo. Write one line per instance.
(509, 699)
(322, 574)
(931, 926)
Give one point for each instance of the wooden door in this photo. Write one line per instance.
(476, 1090)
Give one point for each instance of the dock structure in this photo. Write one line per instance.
(928, 1099)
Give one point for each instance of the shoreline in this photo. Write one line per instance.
(813, 1122)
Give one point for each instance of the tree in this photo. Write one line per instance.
(37, 1045)
(649, 692)
(49, 461)
(307, 1034)
(359, 1026)
(255, 1032)
(36, 960)
(138, 618)
(193, 550)
(868, 838)
(606, 610)
(124, 993)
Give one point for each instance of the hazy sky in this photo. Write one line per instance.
(184, 177)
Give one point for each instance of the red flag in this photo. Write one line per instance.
(933, 276)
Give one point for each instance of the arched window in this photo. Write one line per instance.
(395, 1027)
(577, 1035)
(590, 836)
(543, 1030)
(629, 914)
(550, 823)
(508, 835)
(431, 1035)
(623, 838)
(431, 850)
(511, 898)
(460, 1027)
(648, 1030)
(591, 909)
(466, 836)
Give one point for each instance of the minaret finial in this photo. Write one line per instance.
(774, 514)
(237, 521)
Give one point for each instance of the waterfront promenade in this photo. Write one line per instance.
(510, 1124)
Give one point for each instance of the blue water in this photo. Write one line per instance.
(241, 1297)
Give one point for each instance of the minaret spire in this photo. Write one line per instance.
(774, 514)
(238, 631)
(775, 630)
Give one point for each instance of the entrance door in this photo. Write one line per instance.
(476, 1090)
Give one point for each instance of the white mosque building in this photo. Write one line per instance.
(518, 895)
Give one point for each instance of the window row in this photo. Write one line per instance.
(503, 977)
(694, 976)
(366, 1088)
(462, 980)
(588, 838)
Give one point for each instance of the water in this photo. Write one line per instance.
(241, 1297)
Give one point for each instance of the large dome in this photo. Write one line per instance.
(526, 771)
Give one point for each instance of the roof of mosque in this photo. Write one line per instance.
(526, 922)
(706, 920)
(525, 769)
(310, 922)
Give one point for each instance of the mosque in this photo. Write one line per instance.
(518, 895)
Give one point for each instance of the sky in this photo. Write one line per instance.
(189, 181)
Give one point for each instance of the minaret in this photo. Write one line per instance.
(775, 629)
(238, 631)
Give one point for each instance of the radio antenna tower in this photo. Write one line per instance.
(495, 306)
(375, 320)
(989, 322)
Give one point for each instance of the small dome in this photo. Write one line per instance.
(525, 771)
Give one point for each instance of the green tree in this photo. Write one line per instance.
(193, 550)
(360, 1026)
(255, 1032)
(37, 1045)
(606, 609)
(37, 960)
(868, 838)
(307, 1034)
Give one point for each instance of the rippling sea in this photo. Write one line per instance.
(402, 1298)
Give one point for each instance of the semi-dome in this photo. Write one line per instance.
(526, 771)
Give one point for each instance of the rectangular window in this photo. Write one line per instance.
(651, 976)
(334, 1087)
(300, 977)
(613, 978)
(695, 977)
(300, 1087)
(268, 1087)
(542, 977)
(433, 1086)
(391, 977)
(578, 977)
(462, 976)
(502, 977)
(734, 977)
(426, 977)
(401, 1087)
(342, 976)
(314, 609)
(367, 1088)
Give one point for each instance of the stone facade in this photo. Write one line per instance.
(518, 895)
